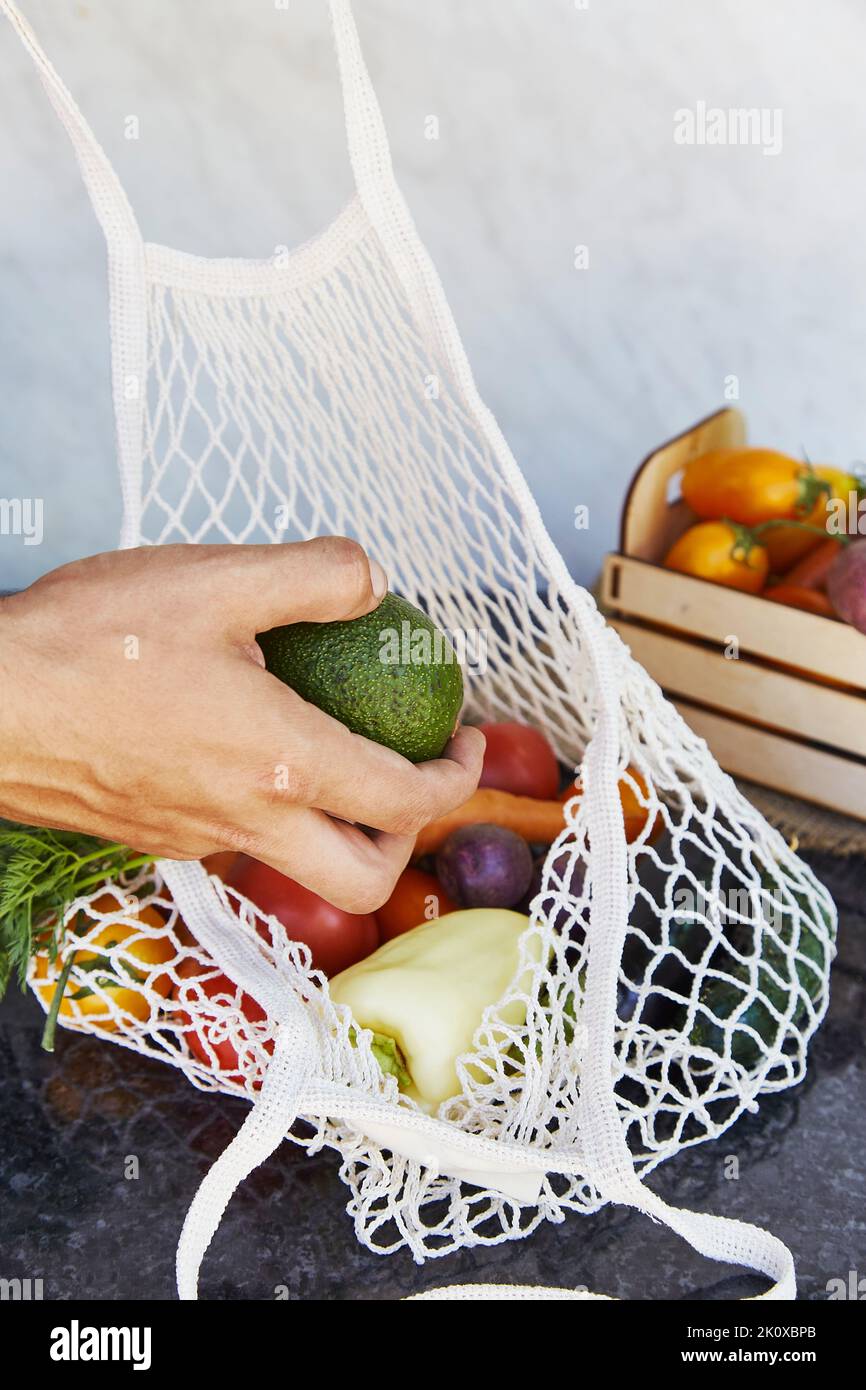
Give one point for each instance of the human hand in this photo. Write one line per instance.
(136, 707)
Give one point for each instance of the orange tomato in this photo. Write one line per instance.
(417, 897)
(750, 486)
(634, 812)
(107, 970)
(722, 553)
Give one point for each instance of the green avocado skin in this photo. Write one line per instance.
(411, 707)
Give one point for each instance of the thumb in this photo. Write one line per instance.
(320, 581)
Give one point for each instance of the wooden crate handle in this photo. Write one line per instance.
(650, 523)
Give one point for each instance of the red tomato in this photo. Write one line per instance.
(520, 760)
(202, 1037)
(410, 904)
(336, 939)
(220, 862)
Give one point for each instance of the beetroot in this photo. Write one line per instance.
(484, 866)
(846, 584)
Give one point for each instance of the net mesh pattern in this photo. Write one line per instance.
(287, 401)
(321, 409)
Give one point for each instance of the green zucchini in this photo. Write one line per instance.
(721, 998)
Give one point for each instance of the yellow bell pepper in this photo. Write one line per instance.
(424, 993)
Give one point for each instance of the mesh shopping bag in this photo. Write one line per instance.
(666, 980)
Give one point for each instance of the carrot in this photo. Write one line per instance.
(801, 596)
(811, 571)
(538, 822)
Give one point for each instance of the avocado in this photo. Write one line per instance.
(390, 675)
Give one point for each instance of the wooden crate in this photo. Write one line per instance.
(790, 710)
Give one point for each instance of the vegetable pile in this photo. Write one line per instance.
(419, 973)
(764, 529)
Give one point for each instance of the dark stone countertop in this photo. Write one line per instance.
(70, 1216)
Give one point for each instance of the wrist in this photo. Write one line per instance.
(19, 687)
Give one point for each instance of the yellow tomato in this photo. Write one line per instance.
(722, 553)
(106, 985)
(750, 486)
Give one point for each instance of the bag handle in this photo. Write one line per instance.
(110, 203)
(126, 282)
(385, 206)
(369, 151)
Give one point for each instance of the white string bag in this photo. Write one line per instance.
(333, 385)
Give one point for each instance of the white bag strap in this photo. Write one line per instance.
(389, 213)
(293, 1060)
(106, 193)
(128, 310)
(384, 204)
(369, 151)
(368, 142)
(262, 1131)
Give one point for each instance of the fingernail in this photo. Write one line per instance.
(378, 578)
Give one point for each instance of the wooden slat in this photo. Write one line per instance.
(781, 763)
(802, 708)
(814, 644)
